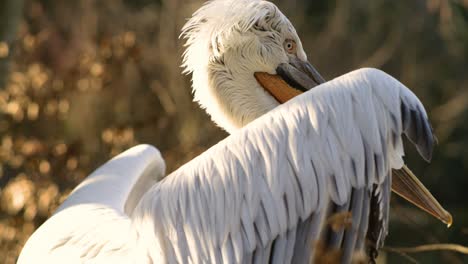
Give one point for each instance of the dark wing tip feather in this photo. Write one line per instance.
(417, 128)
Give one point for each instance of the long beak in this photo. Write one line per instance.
(291, 80)
(298, 76)
(408, 186)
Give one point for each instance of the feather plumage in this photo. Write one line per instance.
(254, 194)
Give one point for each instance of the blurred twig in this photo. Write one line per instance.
(403, 254)
(428, 236)
(447, 114)
(384, 53)
(430, 247)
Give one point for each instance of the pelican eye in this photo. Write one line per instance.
(290, 46)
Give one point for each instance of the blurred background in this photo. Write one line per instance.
(81, 81)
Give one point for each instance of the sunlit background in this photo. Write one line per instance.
(81, 81)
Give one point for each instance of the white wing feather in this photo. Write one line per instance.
(263, 192)
(253, 189)
(92, 225)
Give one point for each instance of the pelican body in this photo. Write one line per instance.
(301, 151)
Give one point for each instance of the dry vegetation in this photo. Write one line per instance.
(80, 81)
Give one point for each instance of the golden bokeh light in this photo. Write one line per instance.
(4, 50)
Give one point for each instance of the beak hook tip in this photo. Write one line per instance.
(449, 220)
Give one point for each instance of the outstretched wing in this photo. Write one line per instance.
(266, 192)
(93, 223)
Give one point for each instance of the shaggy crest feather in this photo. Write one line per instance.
(215, 18)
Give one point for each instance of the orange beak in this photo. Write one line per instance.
(297, 77)
(276, 86)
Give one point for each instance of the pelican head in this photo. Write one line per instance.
(245, 58)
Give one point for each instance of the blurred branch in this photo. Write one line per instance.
(337, 23)
(408, 217)
(403, 254)
(447, 114)
(10, 14)
(452, 108)
(430, 247)
(385, 52)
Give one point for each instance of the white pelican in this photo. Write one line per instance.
(265, 193)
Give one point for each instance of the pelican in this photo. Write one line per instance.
(301, 151)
